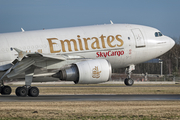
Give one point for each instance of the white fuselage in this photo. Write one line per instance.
(121, 44)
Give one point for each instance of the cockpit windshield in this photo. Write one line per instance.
(158, 34)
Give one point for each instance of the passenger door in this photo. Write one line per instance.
(139, 39)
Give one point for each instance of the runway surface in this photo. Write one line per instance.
(13, 98)
(107, 86)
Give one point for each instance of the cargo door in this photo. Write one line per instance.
(139, 39)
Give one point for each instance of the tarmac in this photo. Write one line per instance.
(101, 97)
(40, 98)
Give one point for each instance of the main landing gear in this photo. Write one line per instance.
(5, 90)
(27, 89)
(24, 91)
(128, 81)
(20, 91)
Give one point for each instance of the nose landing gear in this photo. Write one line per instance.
(128, 81)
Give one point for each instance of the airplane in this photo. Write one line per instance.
(84, 55)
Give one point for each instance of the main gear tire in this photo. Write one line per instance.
(21, 91)
(33, 92)
(6, 90)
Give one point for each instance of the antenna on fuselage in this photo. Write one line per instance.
(111, 22)
(22, 29)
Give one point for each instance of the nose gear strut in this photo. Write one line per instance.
(128, 81)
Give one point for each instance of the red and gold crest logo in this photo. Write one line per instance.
(96, 72)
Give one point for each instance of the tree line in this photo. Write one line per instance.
(171, 63)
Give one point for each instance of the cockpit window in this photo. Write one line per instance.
(158, 34)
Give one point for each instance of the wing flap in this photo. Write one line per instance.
(20, 67)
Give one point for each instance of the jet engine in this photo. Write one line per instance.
(86, 72)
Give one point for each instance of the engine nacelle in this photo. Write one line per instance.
(87, 72)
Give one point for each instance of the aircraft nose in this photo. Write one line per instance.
(171, 42)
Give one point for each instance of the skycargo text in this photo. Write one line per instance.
(109, 53)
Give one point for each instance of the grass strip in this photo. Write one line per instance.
(101, 110)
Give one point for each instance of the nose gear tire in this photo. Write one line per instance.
(128, 82)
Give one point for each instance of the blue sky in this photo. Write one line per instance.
(38, 14)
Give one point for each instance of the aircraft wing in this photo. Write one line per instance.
(41, 56)
(26, 61)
